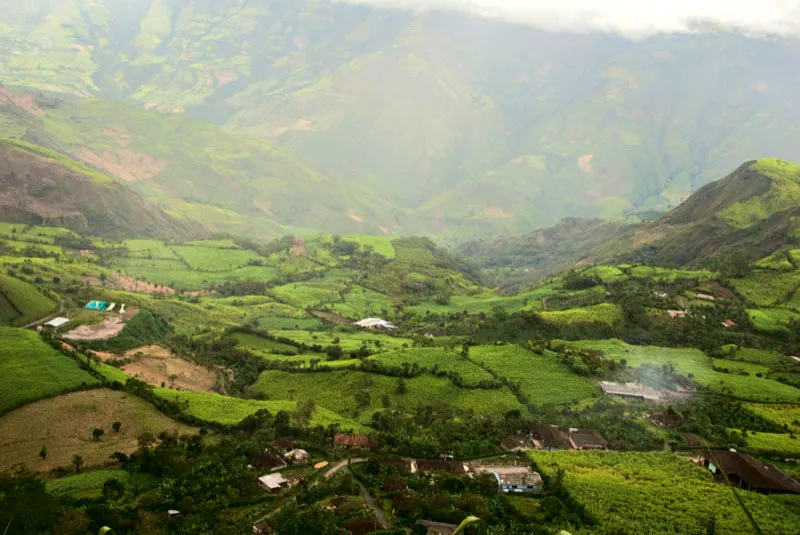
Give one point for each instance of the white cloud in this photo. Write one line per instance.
(627, 17)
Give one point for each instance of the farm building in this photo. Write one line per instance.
(513, 478)
(429, 467)
(437, 528)
(375, 323)
(56, 323)
(749, 473)
(273, 482)
(631, 391)
(518, 443)
(283, 443)
(355, 441)
(665, 419)
(587, 439)
(677, 313)
(552, 438)
(728, 324)
(705, 297)
(297, 456)
(267, 461)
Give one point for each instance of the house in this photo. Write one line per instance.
(749, 473)
(728, 324)
(677, 313)
(56, 323)
(437, 528)
(282, 444)
(262, 528)
(268, 461)
(172, 513)
(273, 482)
(375, 323)
(552, 438)
(449, 467)
(631, 391)
(355, 441)
(513, 478)
(705, 297)
(297, 456)
(518, 443)
(365, 525)
(665, 419)
(587, 439)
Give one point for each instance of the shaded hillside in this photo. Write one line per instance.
(745, 216)
(41, 187)
(436, 123)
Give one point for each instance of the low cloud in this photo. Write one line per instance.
(633, 18)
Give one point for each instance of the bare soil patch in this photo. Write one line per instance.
(156, 365)
(299, 247)
(585, 163)
(125, 164)
(495, 212)
(107, 329)
(354, 216)
(26, 102)
(118, 135)
(129, 284)
(64, 425)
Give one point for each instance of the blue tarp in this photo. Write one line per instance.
(96, 305)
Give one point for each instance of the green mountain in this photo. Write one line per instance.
(429, 122)
(43, 187)
(747, 215)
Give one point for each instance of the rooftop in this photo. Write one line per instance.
(756, 474)
(56, 323)
(273, 481)
(552, 437)
(630, 390)
(354, 441)
(587, 438)
(437, 528)
(297, 455)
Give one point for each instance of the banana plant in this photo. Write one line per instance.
(466, 522)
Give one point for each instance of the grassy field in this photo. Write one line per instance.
(32, 370)
(214, 259)
(767, 288)
(660, 274)
(89, 485)
(782, 443)
(658, 493)
(430, 359)
(176, 274)
(380, 244)
(788, 415)
(229, 411)
(27, 302)
(337, 391)
(258, 344)
(696, 365)
(308, 294)
(772, 319)
(347, 341)
(64, 425)
(542, 378)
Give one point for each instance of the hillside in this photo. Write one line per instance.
(43, 187)
(741, 218)
(427, 122)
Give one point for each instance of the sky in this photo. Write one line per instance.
(633, 18)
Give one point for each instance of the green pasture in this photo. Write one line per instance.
(33, 370)
(605, 313)
(22, 302)
(432, 359)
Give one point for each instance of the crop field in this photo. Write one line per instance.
(281, 323)
(25, 298)
(258, 344)
(308, 294)
(33, 370)
(22, 245)
(215, 244)
(657, 493)
(781, 443)
(772, 319)
(230, 411)
(606, 273)
(213, 259)
(660, 274)
(176, 274)
(337, 391)
(430, 359)
(788, 415)
(149, 249)
(64, 425)
(606, 314)
(347, 341)
(542, 378)
(360, 303)
(740, 366)
(488, 302)
(380, 244)
(86, 484)
(696, 365)
(767, 288)
(764, 357)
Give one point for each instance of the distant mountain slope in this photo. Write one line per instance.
(41, 187)
(433, 122)
(747, 215)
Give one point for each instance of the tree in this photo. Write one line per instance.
(74, 522)
(304, 412)
(146, 440)
(402, 388)
(113, 490)
(43, 453)
(97, 433)
(116, 426)
(103, 277)
(77, 462)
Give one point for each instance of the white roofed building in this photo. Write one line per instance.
(272, 482)
(375, 323)
(56, 323)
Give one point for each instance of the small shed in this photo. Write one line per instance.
(297, 456)
(272, 482)
(56, 323)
